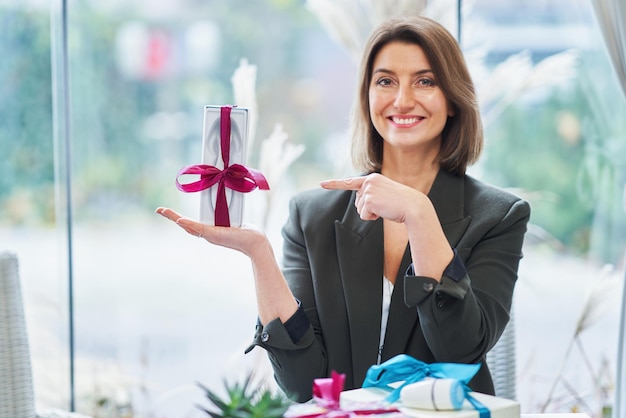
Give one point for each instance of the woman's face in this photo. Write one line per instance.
(407, 107)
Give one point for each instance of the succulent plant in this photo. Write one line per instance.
(245, 400)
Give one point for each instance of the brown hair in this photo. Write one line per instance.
(462, 136)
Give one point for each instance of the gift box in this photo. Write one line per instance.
(223, 175)
(325, 403)
(404, 387)
(498, 407)
(419, 389)
(212, 156)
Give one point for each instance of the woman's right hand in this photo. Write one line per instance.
(245, 239)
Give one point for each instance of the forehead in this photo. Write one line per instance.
(397, 55)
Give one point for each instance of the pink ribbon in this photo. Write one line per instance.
(236, 176)
(326, 393)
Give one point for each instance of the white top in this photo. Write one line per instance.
(387, 291)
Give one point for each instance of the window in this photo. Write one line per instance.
(155, 310)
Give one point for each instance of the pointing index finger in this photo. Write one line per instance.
(350, 183)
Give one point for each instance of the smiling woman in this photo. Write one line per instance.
(447, 244)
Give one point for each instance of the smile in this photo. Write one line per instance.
(405, 121)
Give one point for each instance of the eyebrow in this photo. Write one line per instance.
(420, 72)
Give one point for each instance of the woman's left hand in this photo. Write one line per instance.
(378, 196)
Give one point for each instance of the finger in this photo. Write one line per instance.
(366, 213)
(369, 216)
(192, 227)
(168, 213)
(364, 207)
(350, 183)
(358, 202)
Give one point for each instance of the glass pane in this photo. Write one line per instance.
(158, 310)
(32, 221)
(549, 96)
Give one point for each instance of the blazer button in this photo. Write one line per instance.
(428, 287)
(265, 337)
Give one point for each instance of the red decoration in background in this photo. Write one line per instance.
(158, 55)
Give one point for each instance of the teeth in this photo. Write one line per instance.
(407, 121)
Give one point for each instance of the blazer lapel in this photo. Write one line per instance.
(401, 320)
(446, 195)
(360, 257)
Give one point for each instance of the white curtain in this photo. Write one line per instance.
(611, 16)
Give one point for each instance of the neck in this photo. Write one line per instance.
(418, 174)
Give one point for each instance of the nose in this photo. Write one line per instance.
(404, 99)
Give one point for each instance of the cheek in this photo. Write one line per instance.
(371, 99)
(442, 107)
(375, 104)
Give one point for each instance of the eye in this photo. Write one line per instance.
(383, 81)
(426, 82)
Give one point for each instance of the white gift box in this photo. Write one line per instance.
(212, 155)
(498, 407)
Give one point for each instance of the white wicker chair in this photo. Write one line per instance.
(16, 390)
(17, 399)
(502, 363)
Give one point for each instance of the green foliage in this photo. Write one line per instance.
(25, 101)
(243, 400)
(526, 151)
(109, 111)
(564, 149)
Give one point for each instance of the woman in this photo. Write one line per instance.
(414, 256)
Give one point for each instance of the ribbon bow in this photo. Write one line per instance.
(326, 393)
(406, 369)
(235, 176)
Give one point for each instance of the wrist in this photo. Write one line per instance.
(419, 211)
(259, 247)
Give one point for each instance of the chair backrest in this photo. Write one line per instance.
(16, 382)
(502, 363)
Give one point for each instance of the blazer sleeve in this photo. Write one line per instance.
(462, 320)
(295, 364)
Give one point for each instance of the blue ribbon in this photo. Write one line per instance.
(406, 369)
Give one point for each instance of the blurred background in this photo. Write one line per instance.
(101, 103)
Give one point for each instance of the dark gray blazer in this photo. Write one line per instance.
(333, 262)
